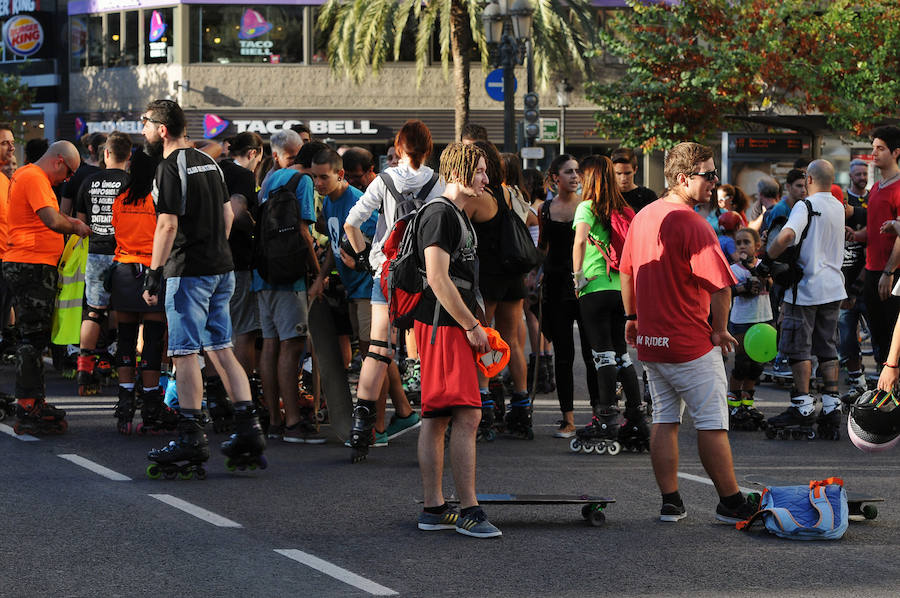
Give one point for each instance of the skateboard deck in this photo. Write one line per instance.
(331, 369)
(591, 511)
(859, 505)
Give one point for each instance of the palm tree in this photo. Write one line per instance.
(362, 32)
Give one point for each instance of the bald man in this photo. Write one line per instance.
(811, 306)
(35, 244)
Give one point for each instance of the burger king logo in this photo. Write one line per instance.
(23, 35)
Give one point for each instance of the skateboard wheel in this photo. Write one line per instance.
(586, 511)
(596, 518)
(870, 511)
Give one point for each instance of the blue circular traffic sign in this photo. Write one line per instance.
(493, 85)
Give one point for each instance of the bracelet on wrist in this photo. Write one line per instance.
(477, 324)
(888, 273)
(630, 317)
(893, 367)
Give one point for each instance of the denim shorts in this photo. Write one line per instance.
(198, 312)
(377, 296)
(95, 272)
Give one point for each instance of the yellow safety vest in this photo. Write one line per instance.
(67, 315)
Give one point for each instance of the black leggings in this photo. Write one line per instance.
(558, 317)
(604, 325)
(881, 316)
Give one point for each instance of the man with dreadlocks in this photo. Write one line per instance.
(445, 242)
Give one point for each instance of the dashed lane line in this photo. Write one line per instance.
(96, 468)
(198, 512)
(709, 482)
(23, 437)
(338, 573)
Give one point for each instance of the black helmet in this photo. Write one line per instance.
(874, 422)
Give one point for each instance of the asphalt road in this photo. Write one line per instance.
(312, 524)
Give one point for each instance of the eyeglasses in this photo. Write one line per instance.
(709, 175)
(69, 171)
(147, 119)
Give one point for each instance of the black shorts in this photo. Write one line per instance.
(127, 288)
(499, 287)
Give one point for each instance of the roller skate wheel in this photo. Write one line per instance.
(575, 445)
(588, 448)
(170, 475)
(600, 449)
(596, 518)
(17, 428)
(185, 475)
(529, 434)
(614, 449)
(154, 471)
(870, 511)
(770, 433)
(810, 435)
(200, 473)
(229, 464)
(252, 467)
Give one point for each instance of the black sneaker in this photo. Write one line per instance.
(672, 513)
(742, 513)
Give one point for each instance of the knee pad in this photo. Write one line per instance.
(603, 358)
(125, 348)
(754, 370)
(97, 315)
(741, 369)
(153, 345)
(624, 360)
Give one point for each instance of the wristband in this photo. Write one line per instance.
(893, 367)
(631, 317)
(887, 273)
(477, 324)
(152, 280)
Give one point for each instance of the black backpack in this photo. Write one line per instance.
(786, 272)
(407, 204)
(280, 252)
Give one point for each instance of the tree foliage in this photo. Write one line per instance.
(691, 66)
(362, 34)
(15, 97)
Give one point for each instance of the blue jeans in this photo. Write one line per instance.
(198, 312)
(848, 323)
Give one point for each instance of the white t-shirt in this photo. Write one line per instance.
(822, 252)
(749, 310)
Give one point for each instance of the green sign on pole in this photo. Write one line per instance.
(549, 129)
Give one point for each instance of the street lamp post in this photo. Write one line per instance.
(510, 52)
(563, 89)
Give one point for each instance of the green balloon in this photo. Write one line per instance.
(761, 343)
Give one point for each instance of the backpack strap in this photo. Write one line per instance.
(809, 214)
(427, 187)
(389, 183)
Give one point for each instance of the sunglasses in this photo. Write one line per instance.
(69, 171)
(709, 175)
(147, 119)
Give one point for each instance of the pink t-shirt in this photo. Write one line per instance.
(676, 262)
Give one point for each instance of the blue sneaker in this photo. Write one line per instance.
(402, 425)
(476, 524)
(446, 520)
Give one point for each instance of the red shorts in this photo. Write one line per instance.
(448, 371)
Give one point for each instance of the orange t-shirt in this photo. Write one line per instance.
(29, 240)
(135, 225)
(4, 206)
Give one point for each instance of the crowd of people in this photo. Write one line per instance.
(205, 260)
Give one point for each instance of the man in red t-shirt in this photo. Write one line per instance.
(35, 244)
(671, 252)
(883, 248)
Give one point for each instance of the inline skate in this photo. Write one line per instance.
(361, 430)
(182, 458)
(221, 412)
(35, 416)
(858, 385)
(634, 434)
(244, 449)
(828, 425)
(518, 418)
(792, 424)
(124, 412)
(601, 436)
(412, 381)
(157, 416)
(87, 377)
(495, 387)
(486, 429)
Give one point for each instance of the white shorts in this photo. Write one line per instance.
(700, 384)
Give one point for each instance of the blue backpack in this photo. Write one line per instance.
(818, 511)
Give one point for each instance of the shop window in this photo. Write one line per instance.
(246, 34)
(113, 39)
(78, 40)
(158, 34)
(95, 41)
(130, 44)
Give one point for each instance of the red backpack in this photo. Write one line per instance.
(612, 250)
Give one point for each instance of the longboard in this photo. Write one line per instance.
(592, 509)
(860, 507)
(331, 369)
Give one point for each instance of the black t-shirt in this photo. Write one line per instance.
(190, 185)
(95, 199)
(854, 252)
(240, 181)
(439, 225)
(639, 197)
(70, 189)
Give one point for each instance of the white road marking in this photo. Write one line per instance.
(703, 480)
(198, 512)
(23, 437)
(96, 468)
(336, 572)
